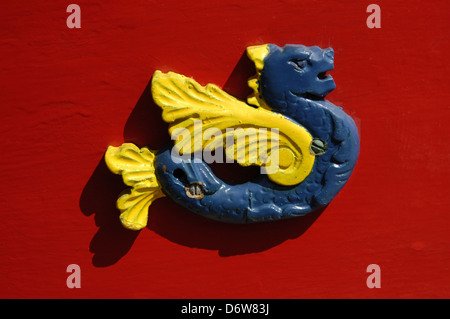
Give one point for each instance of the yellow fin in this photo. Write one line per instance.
(137, 170)
(257, 54)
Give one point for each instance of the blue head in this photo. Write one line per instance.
(295, 71)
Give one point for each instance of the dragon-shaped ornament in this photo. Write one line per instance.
(315, 142)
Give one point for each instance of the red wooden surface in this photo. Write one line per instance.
(66, 94)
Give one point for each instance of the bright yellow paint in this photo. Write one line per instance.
(137, 170)
(183, 100)
(257, 54)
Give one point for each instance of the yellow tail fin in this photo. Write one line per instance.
(137, 170)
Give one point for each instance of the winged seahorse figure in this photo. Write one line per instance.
(316, 143)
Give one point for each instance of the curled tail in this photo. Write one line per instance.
(138, 171)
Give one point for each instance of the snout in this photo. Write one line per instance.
(329, 53)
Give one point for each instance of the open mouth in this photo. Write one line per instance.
(307, 95)
(323, 75)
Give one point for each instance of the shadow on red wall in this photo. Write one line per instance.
(146, 128)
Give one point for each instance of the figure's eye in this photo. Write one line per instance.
(298, 63)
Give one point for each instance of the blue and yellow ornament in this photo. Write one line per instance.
(317, 143)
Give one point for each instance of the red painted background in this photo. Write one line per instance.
(66, 94)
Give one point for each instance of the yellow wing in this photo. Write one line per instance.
(212, 118)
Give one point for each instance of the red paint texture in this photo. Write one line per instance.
(66, 94)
